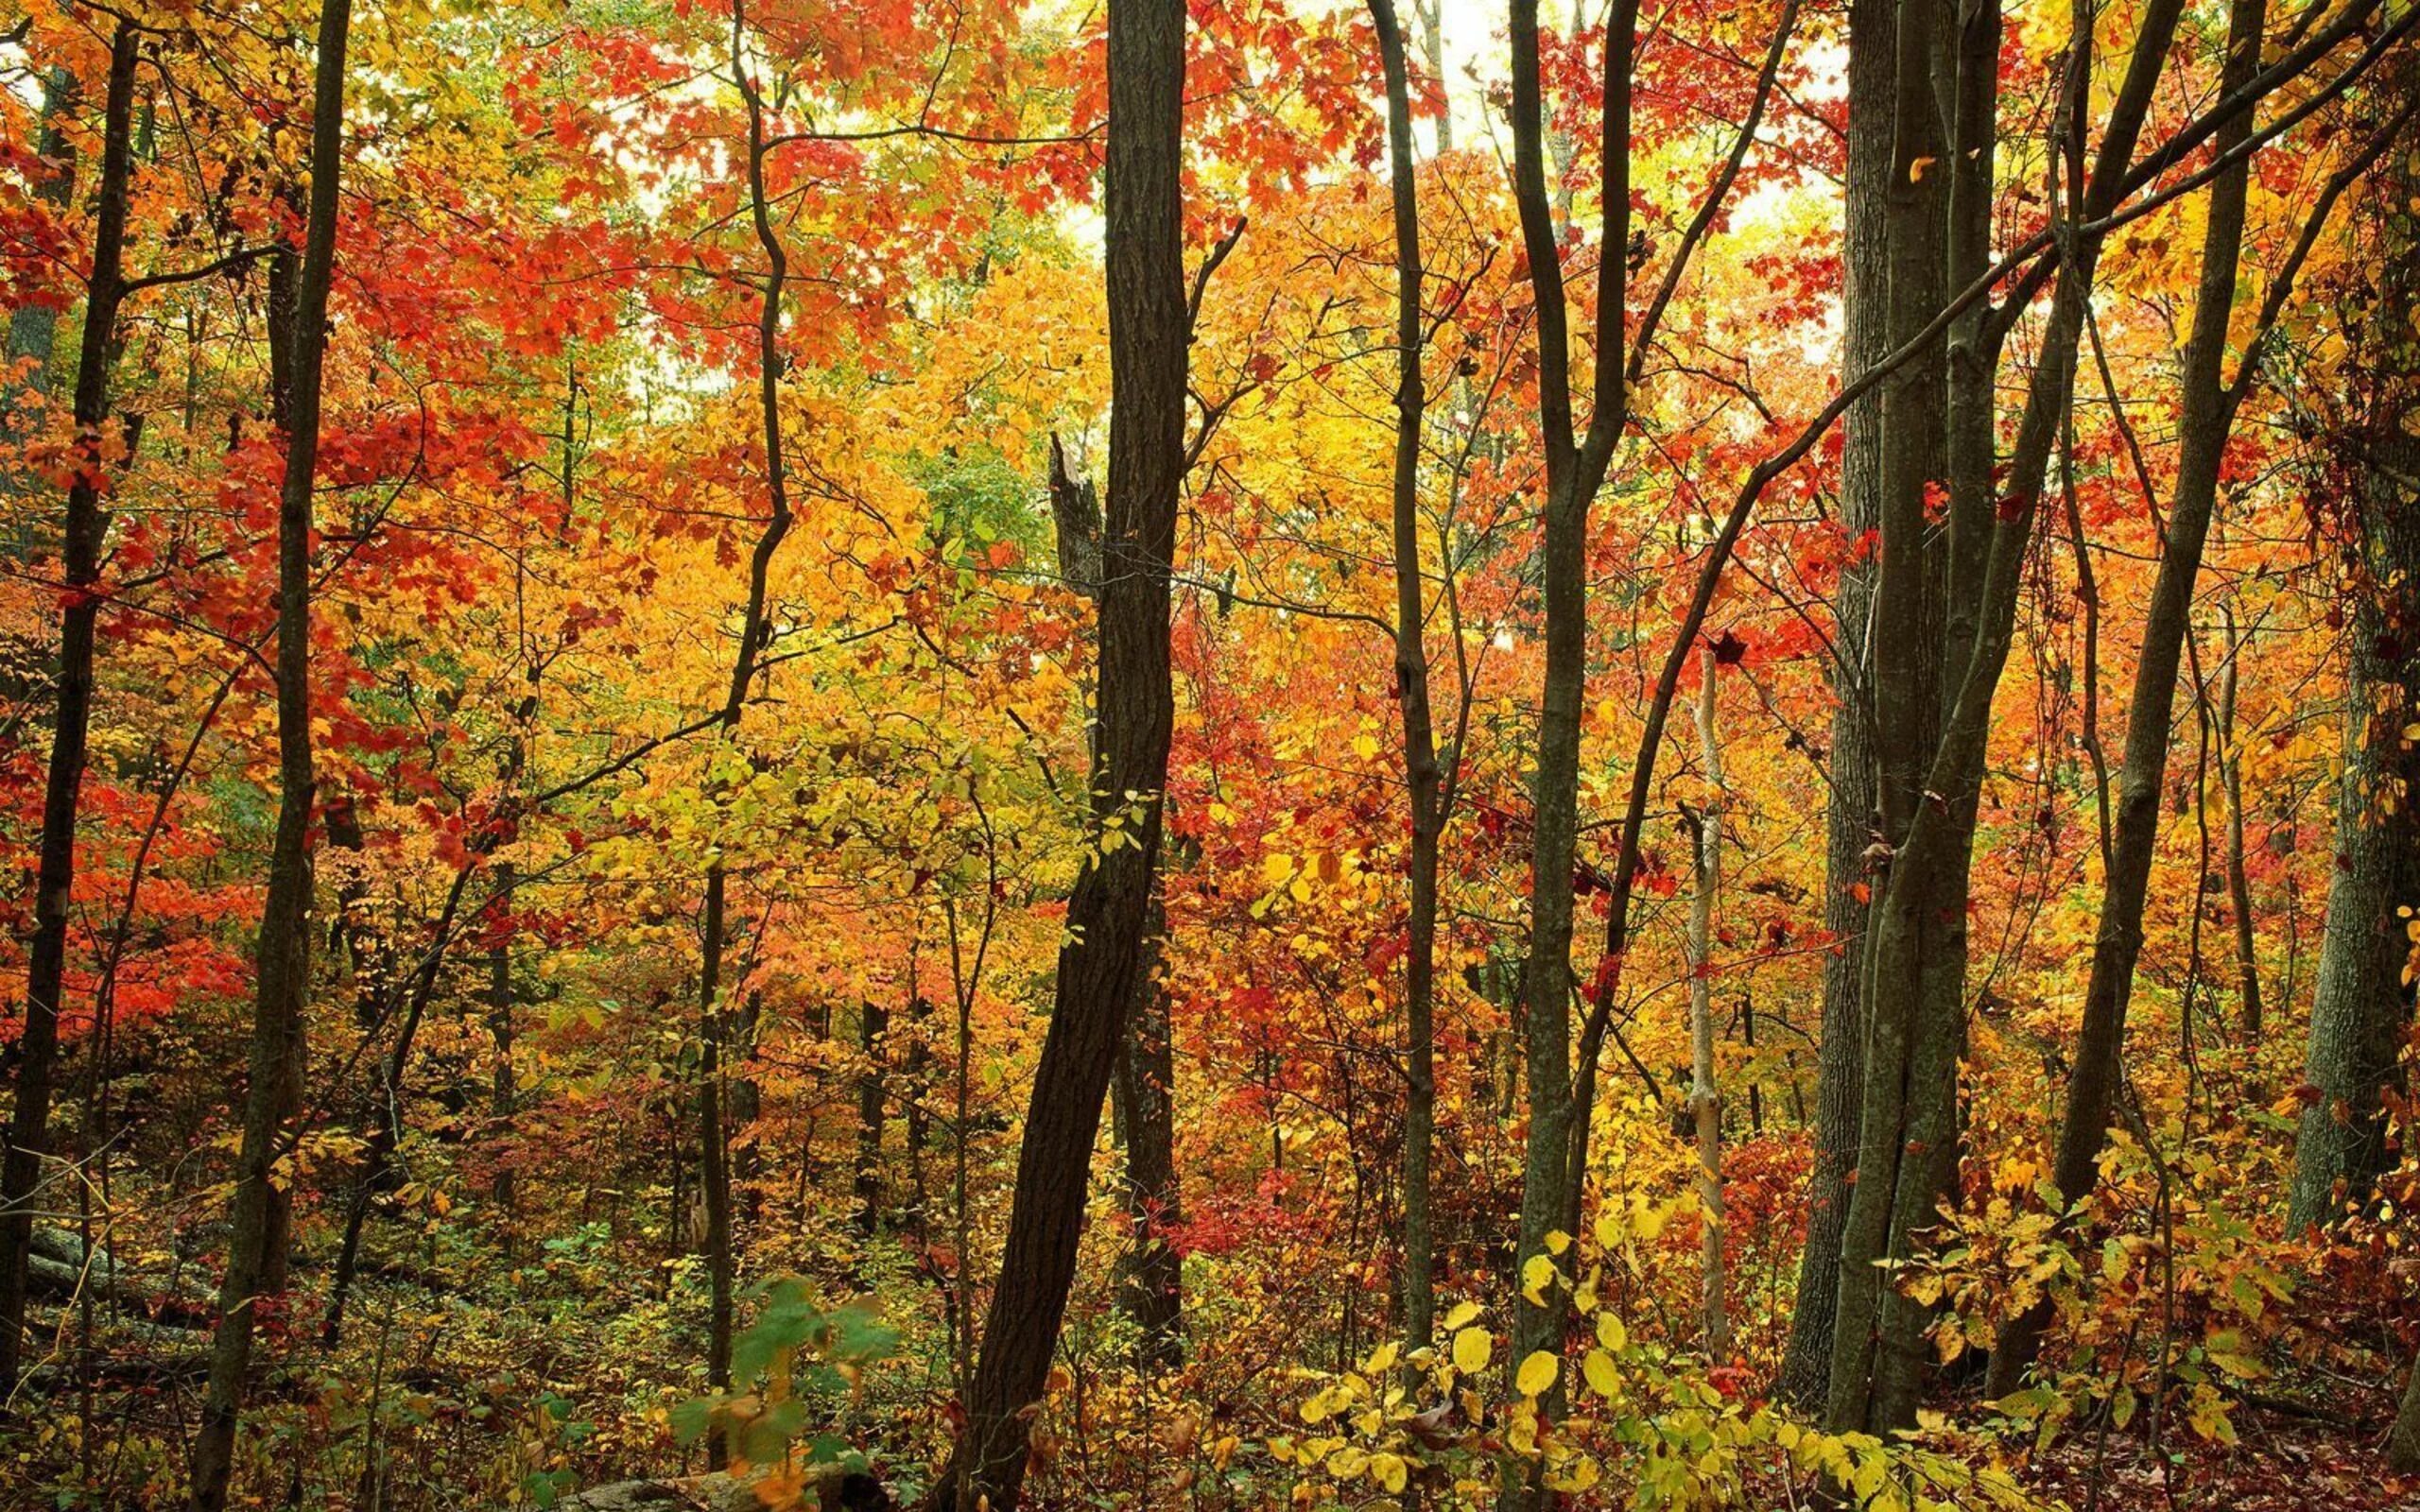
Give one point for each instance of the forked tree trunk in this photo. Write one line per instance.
(86, 524)
(257, 1238)
(1103, 955)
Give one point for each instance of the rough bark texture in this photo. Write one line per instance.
(1806, 1366)
(256, 1242)
(873, 1031)
(1908, 1126)
(2365, 1002)
(2098, 1070)
(1575, 469)
(1102, 957)
(1151, 1274)
(2403, 1443)
(86, 524)
(1421, 776)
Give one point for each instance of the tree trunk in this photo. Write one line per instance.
(1575, 469)
(2403, 1443)
(1102, 958)
(1421, 776)
(873, 1031)
(86, 524)
(1850, 822)
(2247, 958)
(1909, 1125)
(1705, 1102)
(2363, 1001)
(1153, 1289)
(501, 1091)
(2099, 1070)
(256, 1243)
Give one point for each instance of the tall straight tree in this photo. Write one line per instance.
(1576, 464)
(1915, 992)
(2363, 1001)
(2207, 413)
(1421, 776)
(1108, 910)
(1849, 812)
(257, 1236)
(86, 523)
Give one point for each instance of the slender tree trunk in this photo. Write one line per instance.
(1852, 821)
(2098, 1070)
(1575, 469)
(1704, 1101)
(501, 1093)
(1104, 956)
(756, 633)
(256, 1243)
(87, 523)
(1432, 53)
(2247, 958)
(873, 1033)
(2363, 1001)
(1153, 1292)
(1421, 776)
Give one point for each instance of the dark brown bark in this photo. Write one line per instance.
(1850, 816)
(874, 1034)
(85, 525)
(1103, 956)
(2247, 958)
(1423, 779)
(1151, 1283)
(1575, 469)
(256, 1244)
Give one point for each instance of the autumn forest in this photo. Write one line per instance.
(1209, 754)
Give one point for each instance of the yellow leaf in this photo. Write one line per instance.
(1611, 1334)
(1276, 866)
(1603, 1379)
(1472, 1348)
(1916, 169)
(1390, 1472)
(1537, 1274)
(1366, 747)
(1536, 1374)
(1461, 1315)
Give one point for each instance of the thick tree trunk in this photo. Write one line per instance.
(1104, 956)
(86, 524)
(256, 1243)
(2364, 1000)
(1421, 776)
(1908, 1125)
(2403, 1443)
(2097, 1071)
(1850, 821)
